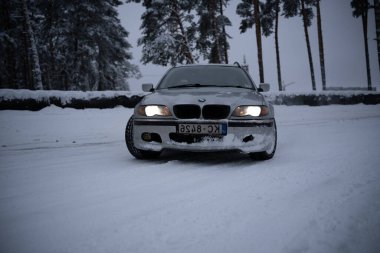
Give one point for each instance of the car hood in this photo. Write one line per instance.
(206, 95)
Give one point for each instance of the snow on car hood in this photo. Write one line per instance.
(206, 95)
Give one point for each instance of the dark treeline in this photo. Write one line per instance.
(181, 31)
(63, 45)
(81, 45)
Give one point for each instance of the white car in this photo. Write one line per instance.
(203, 108)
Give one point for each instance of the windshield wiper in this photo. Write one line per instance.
(192, 85)
(189, 85)
(237, 86)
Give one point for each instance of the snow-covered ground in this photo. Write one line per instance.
(65, 96)
(68, 184)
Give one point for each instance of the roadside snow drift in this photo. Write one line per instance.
(68, 184)
(35, 100)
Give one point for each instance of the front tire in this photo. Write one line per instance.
(138, 153)
(268, 154)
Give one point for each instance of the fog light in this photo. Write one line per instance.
(146, 137)
(248, 138)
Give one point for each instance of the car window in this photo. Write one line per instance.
(198, 76)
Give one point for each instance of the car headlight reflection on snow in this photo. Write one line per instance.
(250, 110)
(154, 110)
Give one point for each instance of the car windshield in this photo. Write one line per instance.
(206, 76)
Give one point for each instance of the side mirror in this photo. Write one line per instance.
(147, 87)
(264, 87)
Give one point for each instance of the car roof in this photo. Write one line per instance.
(205, 65)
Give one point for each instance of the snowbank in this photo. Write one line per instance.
(36, 100)
(324, 98)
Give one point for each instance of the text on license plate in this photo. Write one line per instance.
(202, 129)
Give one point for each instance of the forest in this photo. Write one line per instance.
(81, 45)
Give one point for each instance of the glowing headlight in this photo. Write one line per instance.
(250, 110)
(154, 110)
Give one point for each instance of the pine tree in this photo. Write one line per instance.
(249, 10)
(256, 13)
(270, 14)
(19, 54)
(97, 49)
(320, 45)
(223, 22)
(376, 5)
(51, 34)
(278, 61)
(303, 8)
(212, 41)
(307, 15)
(9, 43)
(113, 58)
(70, 45)
(360, 9)
(168, 32)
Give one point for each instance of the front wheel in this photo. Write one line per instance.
(268, 154)
(138, 153)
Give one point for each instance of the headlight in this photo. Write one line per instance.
(251, 110)
(154, 110)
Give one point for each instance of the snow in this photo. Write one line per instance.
(68, 184)
(67, 96)
(64, 96)
(343, 93)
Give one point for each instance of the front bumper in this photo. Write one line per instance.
(244, 135)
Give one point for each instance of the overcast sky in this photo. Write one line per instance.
(343, 42)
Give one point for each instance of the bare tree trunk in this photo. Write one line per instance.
(377, 20)
(277, 47)
(308, 45)
(365, 33)
(50, 23)
(320, 44)
(224, 37)
(258, 39)
(27, 75)
(76, 65)
(52, 69)
(74, 79)
(37, 79)
(65, 81)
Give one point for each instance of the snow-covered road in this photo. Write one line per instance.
(68, 184)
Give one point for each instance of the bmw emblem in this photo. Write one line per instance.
(202, 100)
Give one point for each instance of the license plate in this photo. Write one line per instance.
(211, 129)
